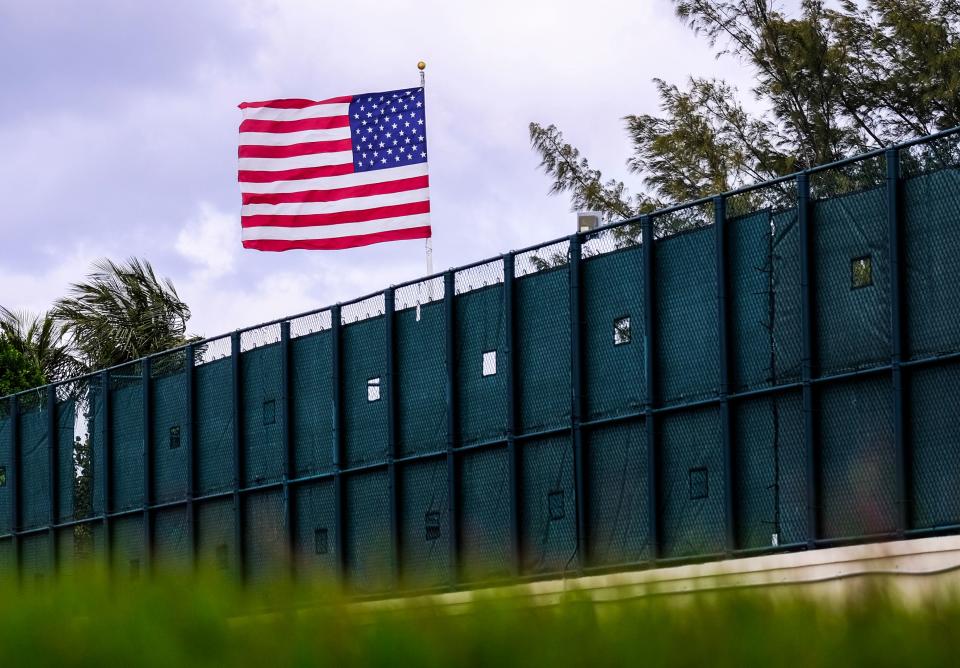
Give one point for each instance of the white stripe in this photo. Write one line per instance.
(339, 181)
(316, 111)
(336, 231)
(349, 204)
(297, 161)
(289, 138)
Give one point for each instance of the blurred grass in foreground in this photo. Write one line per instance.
(206, 621)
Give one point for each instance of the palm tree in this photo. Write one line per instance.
(120, 313)
(40, 339)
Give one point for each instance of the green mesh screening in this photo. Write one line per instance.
(543, 348)
(172, 539)
(126, 442)
(312, 406)
(424, 524)
(617, 503)
(265, 549)
(214, 425)
(686, 316)
(127, 547)
(365, 365)
(857, 483)
(692, 483)
(484, 528)
(315, 531)
(367, 541)
(770, 467)
(35, 459)
(216, 541)
(421, 379)
(6, 462)
(852, 322)
(169, 428)
(548, 507)
(35, 556)
(262, 396)
(613, 294)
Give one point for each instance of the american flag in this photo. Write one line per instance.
(338, 173)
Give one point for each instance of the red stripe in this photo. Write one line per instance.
(340, 243)
(320, 123)
(361, 216)
(336, 194)
(248, 176)
(295, 103)
(306, 148)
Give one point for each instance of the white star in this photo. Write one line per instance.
(406, 124)
(364, 155)
(374, 106)
(362, 108)
(356, 115)
(406, 140)
(393, 109)
(382, 144)
(364, 121)
(405, 106)
(369, 114)
(397, 158)
(389, 151)
(394, 142)
(402, 149)
(383, 160)
(394, 126)
(419, 104)
(409, 156)
(401, 133)
(420, 122)
(423, 154)
(389, 135)
(376, 154)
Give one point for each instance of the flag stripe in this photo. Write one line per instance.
(339, 243)
(291, 138)
(347, 204)
(316, 111)
(339, 218)
(324, 123)
(335, 231)
(288, 175)
(336, 181)
(306, 148)
(294, 103)
(330, 174)
(296, 162)
(334, 194)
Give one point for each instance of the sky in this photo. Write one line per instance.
(119, 130)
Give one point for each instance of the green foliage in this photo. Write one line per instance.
(832, 82)
(121, 313)
(185, 621)
(18, 372)
(40, 339)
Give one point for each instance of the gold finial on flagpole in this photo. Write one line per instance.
(421, 66)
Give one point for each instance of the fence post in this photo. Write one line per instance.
(237, 398)
(286, 445)
(723, 324)
(14, 483)
(146, 395)
(650, 371)
(189, 435)
(512, 410)
(897, 329)
(450, 354)
(107, 469)
(576, 400)
(338, 439)
(389, 308)
(53, 440)
(808, 362)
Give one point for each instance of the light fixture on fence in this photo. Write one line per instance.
(588, 220)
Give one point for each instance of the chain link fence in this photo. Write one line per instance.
(770, 369)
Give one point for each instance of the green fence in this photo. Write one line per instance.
(780, 374)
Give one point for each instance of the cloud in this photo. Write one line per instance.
(209, 240)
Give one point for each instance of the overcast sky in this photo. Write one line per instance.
(119, 130)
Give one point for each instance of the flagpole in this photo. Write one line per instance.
(428, 242)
